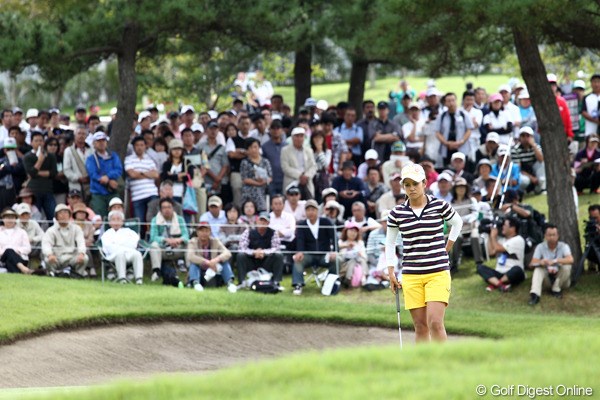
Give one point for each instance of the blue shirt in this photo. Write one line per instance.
(514, 174)
(353, 132)
(97, 167)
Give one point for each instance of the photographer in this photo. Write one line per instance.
(510, 268)
(592, 234)
(552, 261)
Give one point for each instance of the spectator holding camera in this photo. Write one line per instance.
(510, 260)
(552, 261)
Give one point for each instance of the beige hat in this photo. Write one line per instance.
(8, 211)
(61, 207)
(311, 203)
(114, 201)
(175, 144)
(215, 201)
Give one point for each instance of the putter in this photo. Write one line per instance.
(398, 311)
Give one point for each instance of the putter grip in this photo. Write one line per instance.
(397, 300)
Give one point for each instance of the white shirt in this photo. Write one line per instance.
(220, 140)
(3, 132)
(300, 212)
(145, 187)
(230, 146)
(591, 106)
(515, 114)
(419, 136)
(286, 223)
(314, 229)
(114, 242)
(370, 222)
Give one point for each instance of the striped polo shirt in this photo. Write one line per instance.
(141, 188)
(423, 237)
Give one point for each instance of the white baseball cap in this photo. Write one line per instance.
(503, 88)
(527, 130)
(31, 113)
(322, 105)
(432, 91)
(197, 127)
(414, 172)
(187, 108)
(579, 84)
(99, 136)
(552, 78)
(458, 155)
(492, 137)
(524, 95)
(298, 131)
(445, 177)
(503, 150)
(142, 115)
(115, 201)
(371, 154)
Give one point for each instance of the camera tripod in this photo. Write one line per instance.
(592, 245)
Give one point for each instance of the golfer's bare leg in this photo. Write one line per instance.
(419, 317)
(435, 320)
(494, 281)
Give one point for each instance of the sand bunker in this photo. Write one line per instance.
(98, 355)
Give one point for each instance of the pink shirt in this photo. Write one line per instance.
(16, 239)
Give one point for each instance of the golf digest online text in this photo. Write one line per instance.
(533, 392)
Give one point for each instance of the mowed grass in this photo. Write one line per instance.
(537, 341)
(451, 371)
(336, 92)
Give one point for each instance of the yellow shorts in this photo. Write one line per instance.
(419, 289)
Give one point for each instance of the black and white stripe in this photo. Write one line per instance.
(423, 237)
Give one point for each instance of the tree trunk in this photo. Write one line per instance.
(121, 131)
(561, 204)
(302, 76)
(358, 78)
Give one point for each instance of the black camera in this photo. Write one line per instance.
(486, 225)
(591, 232)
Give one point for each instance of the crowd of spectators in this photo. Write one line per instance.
(254, 187)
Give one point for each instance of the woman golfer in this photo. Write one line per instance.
(425, 268)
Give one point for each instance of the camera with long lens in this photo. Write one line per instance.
(486, 225)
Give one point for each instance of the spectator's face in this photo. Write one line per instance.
(595, 215)
(383, 113)
(405, 102)
(52, 147)
(369, 110)
(491, 145)
(204, 119)
(373, 176)
(115, 222)
(595, 85)
(232, 215)
(100, 145)
(433, 100)
(592, 144)
(37, 141)
(480, 96)
(298, 140)
(94, 124)
(293, 197)
(358, 212)
(80, 136)
(188, 139)
(506, 229)
(244, 125)
(214, 210)
(80, 117)
(231, 131)
(7, 118)
(352, 234)
(43, 120)
(166, 191)
(188, 118)
(149, 139)
(139, 147)
(74, 200)
(253, 150)
(551, 236)
(525, 103)
(166, 209)
(79, 216)
(249, 209)
(9, 221)
(484, 170)
(276, 132)
(212, 132)
(312, 213)
(17, 118)
(117, 207)
(468, 101)
(262, 223)
(444, 186)
(276, 103)
(347, 173)
(223, 121)
(27, 200)
(267, 115)
(451, 103)
(145, 124)
(415, 113)
(496, 105)
(505, 96)
(203, 233)
(277, 204)
(458, 164)
(461, 191)
(63, 217)
(25, 217)
(395, 185)
(350, 117)
(260, 125)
